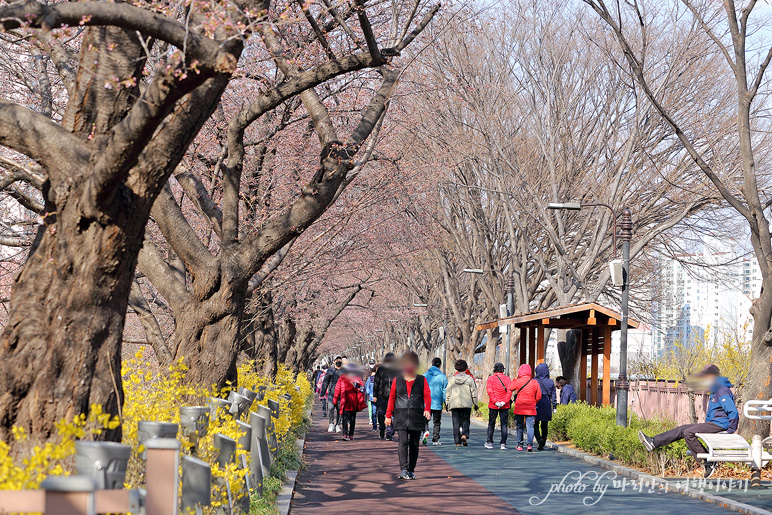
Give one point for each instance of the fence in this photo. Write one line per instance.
(651, 399)
(101, 466)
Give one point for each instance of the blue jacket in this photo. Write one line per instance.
(438, 382)
(548, 399)
(369, 388)
(567, 394)
(721, 408)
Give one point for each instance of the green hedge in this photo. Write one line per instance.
(594, 430)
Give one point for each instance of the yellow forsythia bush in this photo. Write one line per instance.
(52, 458)
(156, 395)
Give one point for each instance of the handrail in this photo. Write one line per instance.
(754, 410)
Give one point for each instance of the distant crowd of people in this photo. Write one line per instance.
(400, 401)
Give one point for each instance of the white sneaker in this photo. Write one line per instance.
(503, 447)
(437, 443)
(425, 437)
(489, 445)
(331, 428)
(337, 429)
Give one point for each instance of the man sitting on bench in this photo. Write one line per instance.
(722, 416)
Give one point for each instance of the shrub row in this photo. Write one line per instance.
(594, 430)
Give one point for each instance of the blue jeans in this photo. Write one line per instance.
(373, 415)
(524, 421)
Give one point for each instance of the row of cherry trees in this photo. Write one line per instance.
(165, 159)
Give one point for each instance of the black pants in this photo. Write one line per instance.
(688, 433)
(461, 417)
(388, 430)
(540, 429)
(503, 416)
(349, 422)
(437, 420)
(408, 449)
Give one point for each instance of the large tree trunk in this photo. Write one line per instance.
(61, 348)
(759, 382)
(208, 340)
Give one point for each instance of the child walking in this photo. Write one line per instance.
(410, 401)
(527, 394)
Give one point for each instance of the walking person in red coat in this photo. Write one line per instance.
(498, 405)
(349, 397)
(527, 394)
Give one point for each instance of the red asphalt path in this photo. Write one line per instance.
(360, 476)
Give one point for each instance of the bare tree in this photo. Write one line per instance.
(725, 29)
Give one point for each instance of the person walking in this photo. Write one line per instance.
(408, 409)
(350, 398)
(498, 405)
(722, 415)
(567, 393)
(545, 406)
(438, 383)
(328, 389)
(382, 382)
(371, 411)
(322, 395)
(460, 398)
(527, 394)
(315, 378)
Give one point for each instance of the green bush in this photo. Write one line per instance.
(594, 430)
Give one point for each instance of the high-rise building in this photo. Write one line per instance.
(705, 295)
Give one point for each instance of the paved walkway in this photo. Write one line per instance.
(360, 477)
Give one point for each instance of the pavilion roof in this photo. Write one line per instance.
(575, 316)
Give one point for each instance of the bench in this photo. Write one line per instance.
(724, 447)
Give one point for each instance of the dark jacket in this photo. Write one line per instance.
(330, 380)
(409, 409)
(548, 399)
(721, 407)
(567, 395)
(382, 385)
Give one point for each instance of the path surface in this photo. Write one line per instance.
(360, 477)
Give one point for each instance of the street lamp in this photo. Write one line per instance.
(626, 234)
(509, 289)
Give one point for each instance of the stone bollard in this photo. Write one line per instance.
(194, 423)
(239, 404)
(196, 484)
(104, 462)
(73, 495)
(273, 442)
(147, 430)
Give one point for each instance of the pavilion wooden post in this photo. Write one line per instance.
(540, 345)
(532, 347)
(607, 365)
(595, 352)
(523, 350)
(583, 365)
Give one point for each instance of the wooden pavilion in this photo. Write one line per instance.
(594, 322)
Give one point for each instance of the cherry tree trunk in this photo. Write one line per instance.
(207, 339)
(61, 348)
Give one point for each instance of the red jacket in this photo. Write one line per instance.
(345, 396)
(497, 391)
(525, 404)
